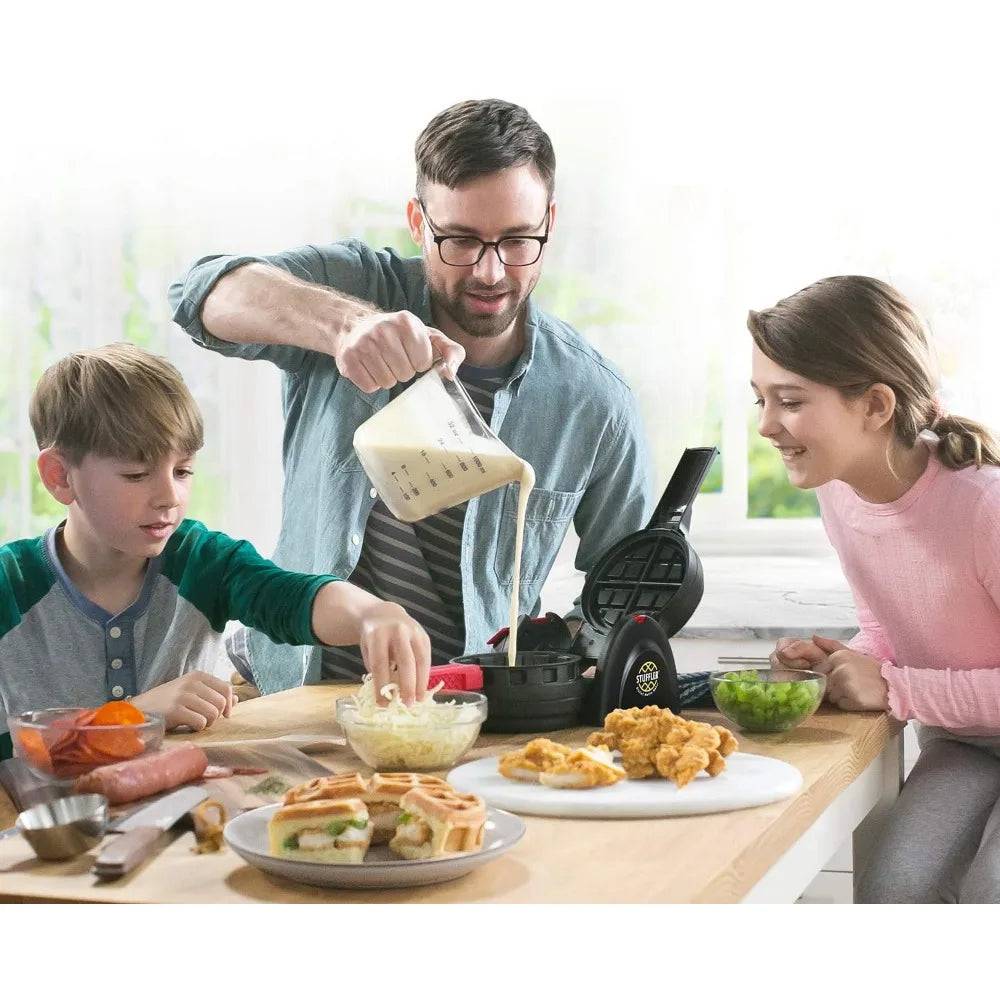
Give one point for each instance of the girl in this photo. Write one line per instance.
(910, 499)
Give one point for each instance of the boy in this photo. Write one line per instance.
(128, 600)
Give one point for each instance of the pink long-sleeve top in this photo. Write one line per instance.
(925, 574)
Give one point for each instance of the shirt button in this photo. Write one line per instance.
(373, 493)
(355, 540)
(118, 690)
(116, 664)
(115, 632)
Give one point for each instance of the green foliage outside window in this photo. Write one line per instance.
(567, 295)
(137, 326)
(575, 300)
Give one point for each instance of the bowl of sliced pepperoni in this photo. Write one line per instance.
(63, 743)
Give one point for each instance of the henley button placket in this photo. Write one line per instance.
(120, 654)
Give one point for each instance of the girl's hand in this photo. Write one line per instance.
(806, 654)
(797, 654)
(854, 682)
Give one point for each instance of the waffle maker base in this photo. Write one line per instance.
(636, 669)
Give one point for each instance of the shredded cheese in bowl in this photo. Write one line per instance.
(431, 734)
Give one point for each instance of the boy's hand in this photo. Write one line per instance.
(396, 650)
(854, 682)
(194, 700)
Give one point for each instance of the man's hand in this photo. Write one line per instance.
(385, 348)
(396, 650)
(194, 700)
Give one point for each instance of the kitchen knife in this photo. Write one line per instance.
(141, 830)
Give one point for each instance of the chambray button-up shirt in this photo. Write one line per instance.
(565, 410)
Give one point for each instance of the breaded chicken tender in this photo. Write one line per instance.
(728, 742)
(637, 757)
(590, 767)
(558, 766)
(654, 741)
(605, 739)
(680, 765)
(716, 764)
(528, 763)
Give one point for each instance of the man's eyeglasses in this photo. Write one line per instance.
(466, 251)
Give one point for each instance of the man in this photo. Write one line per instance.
(351, 326)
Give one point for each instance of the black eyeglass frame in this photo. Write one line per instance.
(485, 245)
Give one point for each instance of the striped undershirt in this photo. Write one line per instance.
(418, 565)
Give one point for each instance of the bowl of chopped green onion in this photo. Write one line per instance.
(767, 701)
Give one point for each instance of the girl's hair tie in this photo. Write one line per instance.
(938, 412)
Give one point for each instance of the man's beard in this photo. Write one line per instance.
(477, 324)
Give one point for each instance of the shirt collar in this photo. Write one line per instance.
(531, 317)
(83, 603)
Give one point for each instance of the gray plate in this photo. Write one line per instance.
(381, 869)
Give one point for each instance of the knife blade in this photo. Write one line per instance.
(141, 831)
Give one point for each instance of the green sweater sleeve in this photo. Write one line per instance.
(25, 578)
(228, 580)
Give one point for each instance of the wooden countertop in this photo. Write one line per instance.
(713, 858)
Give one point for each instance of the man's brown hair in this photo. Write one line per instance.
(476, 138)
(116, 401)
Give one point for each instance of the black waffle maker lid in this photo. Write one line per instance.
(654, 571)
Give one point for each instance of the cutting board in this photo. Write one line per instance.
(279, 766)
(748, 780)
(264, 771)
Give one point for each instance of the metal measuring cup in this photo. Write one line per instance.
(63, 828)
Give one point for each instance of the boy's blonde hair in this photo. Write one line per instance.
(116, 401)
(851, 332)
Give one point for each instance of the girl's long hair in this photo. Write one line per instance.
(851, 332)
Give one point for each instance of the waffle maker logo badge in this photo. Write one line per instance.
(647, 680)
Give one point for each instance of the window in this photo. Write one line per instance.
(659, 278)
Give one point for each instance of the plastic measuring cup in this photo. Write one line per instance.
(429, 449)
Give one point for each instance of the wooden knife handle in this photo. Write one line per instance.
(126, 851)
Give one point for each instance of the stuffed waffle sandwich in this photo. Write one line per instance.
(382, 797)
(329, 786)
(438, 821)
(330, 830)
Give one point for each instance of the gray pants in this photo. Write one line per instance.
(942, 839)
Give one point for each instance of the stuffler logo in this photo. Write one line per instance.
(647, 680)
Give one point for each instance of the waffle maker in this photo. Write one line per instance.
(641, 592)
